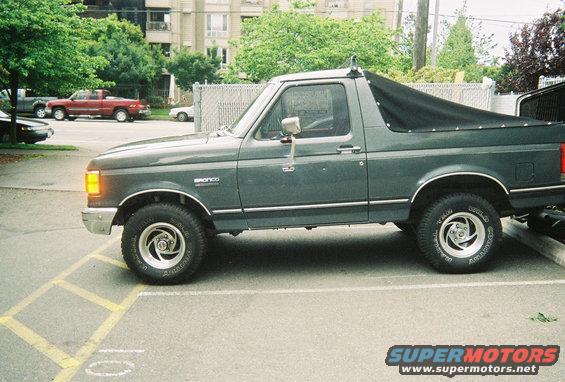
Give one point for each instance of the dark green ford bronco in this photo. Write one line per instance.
(329, 148)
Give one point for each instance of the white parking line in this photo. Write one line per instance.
(351, 289)
(121, 351)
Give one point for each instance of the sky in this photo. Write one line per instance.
(513, 14)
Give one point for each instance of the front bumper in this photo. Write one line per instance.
(145, 113)
(99, 220)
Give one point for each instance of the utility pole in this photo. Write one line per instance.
(420, 34)
(399, 19)
(434, 38)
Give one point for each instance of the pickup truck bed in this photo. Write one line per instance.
(325, 148)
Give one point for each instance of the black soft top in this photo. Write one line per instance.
(407, 110)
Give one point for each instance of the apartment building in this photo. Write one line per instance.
(201, 24)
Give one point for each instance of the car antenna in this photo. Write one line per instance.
(354, 71)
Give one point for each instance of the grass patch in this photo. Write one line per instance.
(540, 317)
(160, 114)
(26, 146)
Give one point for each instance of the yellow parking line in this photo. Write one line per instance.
(48, 285)
(87, 295)
(90, 346)
(109, 260)
(41, 344)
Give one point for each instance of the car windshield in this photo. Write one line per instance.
(237, 128)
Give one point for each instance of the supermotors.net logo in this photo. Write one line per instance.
(451, 360)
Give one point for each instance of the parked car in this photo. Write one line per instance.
(28, 102)
(28, 130)
(183, 114)
(329, 148)
(547, 104)
(98, 103)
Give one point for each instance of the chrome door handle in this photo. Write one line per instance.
(349, 149)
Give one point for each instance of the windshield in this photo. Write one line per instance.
(238, 127)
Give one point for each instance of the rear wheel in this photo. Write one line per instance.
(39, 111)
(163, 243)
(459, 233)
(182, 117)
(121, 115)
(59, 114)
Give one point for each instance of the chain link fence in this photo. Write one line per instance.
(220, 104)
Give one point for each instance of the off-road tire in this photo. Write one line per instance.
(187, 224)
(451, 216)
(121, 115)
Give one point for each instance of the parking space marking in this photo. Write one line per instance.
(71, 364)
(103, 330)
(352, 289)
(40, 344)
(109, 260)
(87, 295)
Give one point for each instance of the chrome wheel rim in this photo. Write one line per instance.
(121, 116)
(40, 113)
(59, 114)
(162, 245)
(462, 235)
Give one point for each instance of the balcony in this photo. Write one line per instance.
(158, 26)
(158, 4)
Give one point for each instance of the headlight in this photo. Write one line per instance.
(92, 182)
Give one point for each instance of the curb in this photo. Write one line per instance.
(546, 246)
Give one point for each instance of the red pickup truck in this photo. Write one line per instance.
(98, 103)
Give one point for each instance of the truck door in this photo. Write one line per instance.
(94, 103)
(79, 103)
(327, 181)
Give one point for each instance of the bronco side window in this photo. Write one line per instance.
(322, 110)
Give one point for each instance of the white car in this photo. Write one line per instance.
(183, 114)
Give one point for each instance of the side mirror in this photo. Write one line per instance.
(291, 126)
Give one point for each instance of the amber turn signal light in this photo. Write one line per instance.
(92, 179)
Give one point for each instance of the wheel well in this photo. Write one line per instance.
(472, 184)
(38, 105)
(133, 204)
(120, 108)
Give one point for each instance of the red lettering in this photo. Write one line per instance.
(535, 355)
(520, 355)
(550, 355)
(490, 355)
(505, 354)
(473, 355)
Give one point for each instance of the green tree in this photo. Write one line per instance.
(43, 45)
(285, 42)
(132, 61)
(190, 67)
(458, 51)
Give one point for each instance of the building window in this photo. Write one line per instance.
(165, 48)
(159, 20)
(222, 53)
(217, 25)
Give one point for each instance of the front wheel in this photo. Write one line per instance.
(59, 114)
(182, 117)
(459, 233)
(163, 243)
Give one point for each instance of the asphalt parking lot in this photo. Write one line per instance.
(281, 305)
